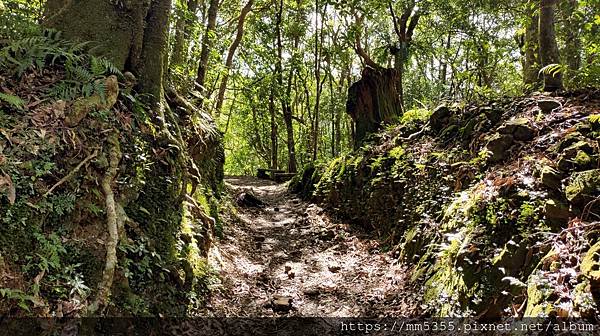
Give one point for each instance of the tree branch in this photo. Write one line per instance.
(394, 20)
(358, 48)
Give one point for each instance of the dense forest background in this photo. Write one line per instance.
(274, 74)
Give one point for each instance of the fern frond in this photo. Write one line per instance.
(102, 66)
(12, 100)
(552, 69)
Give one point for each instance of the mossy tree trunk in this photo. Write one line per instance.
(116, 28)
(548, 47)
(207, 43)
(152, 65)
(531, 63)
(572, 26)
(132, 34)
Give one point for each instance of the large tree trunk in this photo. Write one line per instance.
(207, 43)
(372, 102)
(117, 28)
(548, 47)
(153, 61)
(229, 61)
(132, 34)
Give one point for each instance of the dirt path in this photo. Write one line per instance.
(291, 249)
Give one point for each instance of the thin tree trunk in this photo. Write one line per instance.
(285, 100)
(548, 46)
(231, 53)
(531, 64)
(444, 67)
(572, 27)
(274, 149)
(207, 43)
(182, 32)
(318, 56)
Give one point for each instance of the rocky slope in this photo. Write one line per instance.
(494, 207)
(95, 210)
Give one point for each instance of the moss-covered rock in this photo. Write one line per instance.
(440, 117)
(590, 265)
(557, 213)
(498, 145)
(551, 178)
(583, 187)
(520, 129)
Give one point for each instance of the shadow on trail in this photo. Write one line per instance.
(293, 249)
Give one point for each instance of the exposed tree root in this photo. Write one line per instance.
(72, 173)
(112, 222)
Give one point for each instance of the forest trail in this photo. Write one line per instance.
(291, 249)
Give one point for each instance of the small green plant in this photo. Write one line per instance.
(48, 256)
(63, 203)
(553, 69)
(17, 295)
(414, 115)
(37, 52)
(103, 115)
(14, 101)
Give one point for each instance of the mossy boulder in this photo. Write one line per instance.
(539, 294)
(493, 114)
(498, 146)
(590, 265)
(557, 213)
(584, 187)
(440, 118)
(551, 178)
(568, 140)
(577, 156)
(520, 129)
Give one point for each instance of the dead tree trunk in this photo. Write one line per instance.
(372, 102)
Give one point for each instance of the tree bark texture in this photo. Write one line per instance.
(372, 102)
(132, 34)
(548, 47)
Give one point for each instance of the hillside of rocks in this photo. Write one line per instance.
(494, 208)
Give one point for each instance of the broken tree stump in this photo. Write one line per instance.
(373, 101)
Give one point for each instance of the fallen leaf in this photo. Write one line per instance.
(6, 183)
